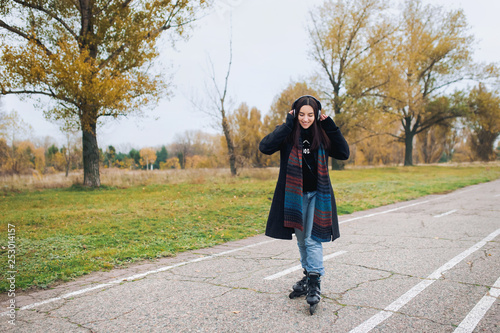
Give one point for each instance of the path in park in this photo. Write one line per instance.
(426, 265)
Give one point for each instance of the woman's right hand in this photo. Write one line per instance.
(291, 112)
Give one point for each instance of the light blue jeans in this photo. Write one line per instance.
(311, 251)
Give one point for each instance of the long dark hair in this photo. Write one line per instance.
(319, 136)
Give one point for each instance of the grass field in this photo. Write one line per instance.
(63, 233)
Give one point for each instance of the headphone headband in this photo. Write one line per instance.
(314, 98)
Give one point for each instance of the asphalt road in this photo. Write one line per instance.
(427, 265)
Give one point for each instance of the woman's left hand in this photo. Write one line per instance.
(323, 117)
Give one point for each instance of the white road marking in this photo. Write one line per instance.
(498, 195)
(477, 313)
(387, 211)
(135, 277)
(406, 206)
(331, 255)
(447, 213)
(372, 322)
(296, 268)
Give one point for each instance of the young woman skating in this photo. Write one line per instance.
(303, 201)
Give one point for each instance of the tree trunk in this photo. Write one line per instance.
(409, 149)
(91, 177)
(67, 169)
(409, 135)
(230, 146)
(484, 149)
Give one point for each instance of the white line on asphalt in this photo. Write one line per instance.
(387, 211)
(406, 206)
(477, 313)
(296, 268)
(372, 322)
(498, 195)
(135, 277)
(447, 213)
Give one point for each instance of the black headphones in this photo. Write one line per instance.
(314, 98)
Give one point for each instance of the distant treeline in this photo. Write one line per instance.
(471, 135)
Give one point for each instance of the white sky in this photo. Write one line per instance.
(269, 51)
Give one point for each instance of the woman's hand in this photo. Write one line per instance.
(291, 112)
(322, 117)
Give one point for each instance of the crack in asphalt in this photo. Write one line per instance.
(49, 314)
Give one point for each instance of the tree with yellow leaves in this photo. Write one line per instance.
(90, 57)
(483, 120)
(348, 38)
(246, 126)
(431, 50)
(148, 157)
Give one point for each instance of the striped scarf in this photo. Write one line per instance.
(322, 226)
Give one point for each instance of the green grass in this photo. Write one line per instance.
(357, 190)
(65, 233)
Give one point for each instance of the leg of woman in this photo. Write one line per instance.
(313, 248)
(314, 253)
(302, 234)
(311, 251)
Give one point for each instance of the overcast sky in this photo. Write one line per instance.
(269, 51)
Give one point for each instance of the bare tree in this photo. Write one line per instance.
(218, 107)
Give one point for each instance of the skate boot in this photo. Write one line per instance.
(299, 288)
(313, 291)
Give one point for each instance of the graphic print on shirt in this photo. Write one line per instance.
(306, 147)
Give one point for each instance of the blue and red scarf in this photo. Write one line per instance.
(322, 226)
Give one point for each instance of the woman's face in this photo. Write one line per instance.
(306, 116)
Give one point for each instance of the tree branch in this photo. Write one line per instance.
(13, 92)
(320, 51)
(25, 36)
(49, 13)
(386, 97)
(447, 84)
(429, 124)
(111, 115)
(37, 92)
(229, 66)
(165, 26)
(124, 4)
(366, 137)
(113, 55)
(367, 90)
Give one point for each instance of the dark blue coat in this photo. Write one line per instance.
(275, 141)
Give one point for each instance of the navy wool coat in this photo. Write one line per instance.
(275, 141)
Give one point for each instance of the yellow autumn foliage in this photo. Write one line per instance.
(89, 57)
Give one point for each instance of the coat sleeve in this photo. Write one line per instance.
(273, 141)
(339, 149)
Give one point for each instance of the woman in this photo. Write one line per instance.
(303, 201)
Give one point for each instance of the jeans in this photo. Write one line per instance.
(311, 251)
